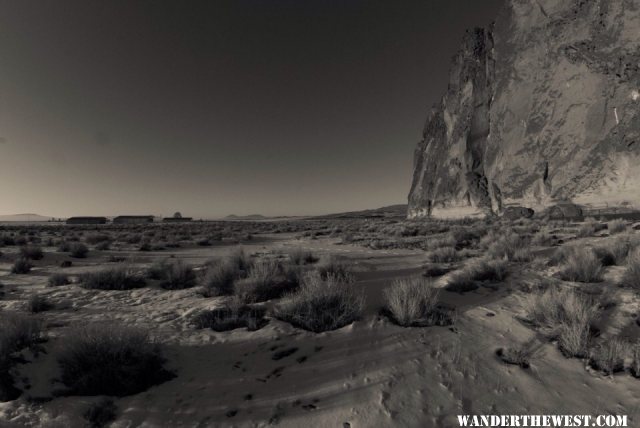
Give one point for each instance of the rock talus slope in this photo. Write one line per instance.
(544, 106)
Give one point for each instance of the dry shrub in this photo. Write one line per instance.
(522, 255)
(414, 302)
(78, 250)
(21, 266)
(31, 252)
(178, 276)
(17, 331)
(338, 269)
(101, 413)
(103, 246)
(321, 304)
(37, 303)
(589, 228)
(443, 255)
(435, 270)
(631, 276)
(448, 240)
(58, 279)
(483, 269)
(608, 356)
(266, 280)
(218, 279)
(115, 278)
(565, 314)
(240, 260)
(461, 281)
(617, 226)
(298, 256)
(616, 251)
(108, 359)
(158, 270)
(520, 355)
(232, 316)
(488, 270)
(96, 238)
(635, 361)
(543, 239)
(582, 265)
(507, 246)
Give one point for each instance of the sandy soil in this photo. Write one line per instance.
(369, 374)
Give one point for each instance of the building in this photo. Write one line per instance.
(133, 219)
(176, 219)
(86, 220)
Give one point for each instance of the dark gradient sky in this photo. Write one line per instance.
(278, 107)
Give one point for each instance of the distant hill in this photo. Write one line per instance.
(399, 210)
(245, 217)
(24, 218)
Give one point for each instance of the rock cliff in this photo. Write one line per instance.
(544, 106)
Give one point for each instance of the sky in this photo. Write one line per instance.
(273, 107)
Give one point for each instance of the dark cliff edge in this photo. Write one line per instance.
(544, 107)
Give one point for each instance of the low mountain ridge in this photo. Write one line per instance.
(24, 218)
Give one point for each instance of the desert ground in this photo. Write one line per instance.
(336, 322)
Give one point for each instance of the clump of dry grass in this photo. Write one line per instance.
(589, 228)
(298, 256)
(461, 281)
(17, 331)
(177, 276)
(446, 241)
(520, 355)
(582, 265)
(240, 260)
(617, 226)
(218, 278)
(266, 280)
(103, 246)
(321, 304)
(37, 303)
(108, 359)
(414, 302)
(101, 413)
(488, 270)
(613, 253)
(443, 255)
(232, 316)
(483, 269)
(58, 279)
(508, 246)
(635, 361)
(338, 269)
(21, 266)
(631, 275)
(564, 314)
(31, 252)
(544, 239)
(78, 250)
(435, 270)
(115, 278)
(157, 270)
(609, 355)
(96, 238)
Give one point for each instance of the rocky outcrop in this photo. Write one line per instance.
(542, 107)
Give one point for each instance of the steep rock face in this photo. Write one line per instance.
(543, 107)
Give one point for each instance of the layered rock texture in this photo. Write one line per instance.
(542, 107)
